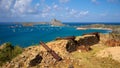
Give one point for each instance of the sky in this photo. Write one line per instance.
(63, 10)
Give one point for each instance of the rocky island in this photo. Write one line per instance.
(27, 24)
(55, 22)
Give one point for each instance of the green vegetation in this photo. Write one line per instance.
(8, 52)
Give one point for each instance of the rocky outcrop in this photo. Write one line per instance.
(55, 22)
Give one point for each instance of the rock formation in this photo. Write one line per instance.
(55, 22)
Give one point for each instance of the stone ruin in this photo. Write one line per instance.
(35, 61)
(81, 43)
(37, 56)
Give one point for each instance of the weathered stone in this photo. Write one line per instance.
(35, 61)
(71, 46)
(88, 40)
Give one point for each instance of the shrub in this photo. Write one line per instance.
(8, 52)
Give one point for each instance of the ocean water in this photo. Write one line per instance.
(27, 36)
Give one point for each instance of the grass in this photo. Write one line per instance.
(89, 60)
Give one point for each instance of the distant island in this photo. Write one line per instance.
(27, 24)
(55, 22)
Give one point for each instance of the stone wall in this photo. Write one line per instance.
(88, 40)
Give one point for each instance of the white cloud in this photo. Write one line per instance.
(76, 13)
(44, 14)
(112, 1)
(5, 4)
(55, 6)
(64, 1)
(46, 9)
(37, 5)
(73, 12)
(67, 9)
(21, 6)
(95, 1)
(24, 8)
(104, 14)
(84, 12)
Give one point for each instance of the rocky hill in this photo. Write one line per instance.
(75, 53)
(55, 22)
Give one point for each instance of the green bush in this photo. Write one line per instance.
(8, 52)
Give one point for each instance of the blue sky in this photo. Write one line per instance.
(64, 10)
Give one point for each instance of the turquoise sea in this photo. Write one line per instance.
(30, 35)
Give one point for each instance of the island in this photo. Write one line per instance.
(55, 22)
(27, 24)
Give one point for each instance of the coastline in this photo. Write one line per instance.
(80, 28)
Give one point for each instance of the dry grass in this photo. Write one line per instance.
(89, 59)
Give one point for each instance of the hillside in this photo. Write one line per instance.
(75, 53)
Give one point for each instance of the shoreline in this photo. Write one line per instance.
(80, 28)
